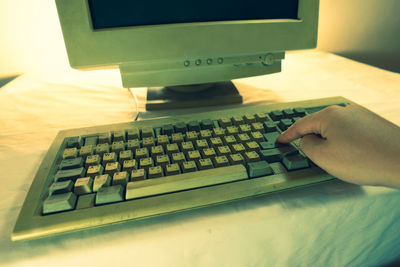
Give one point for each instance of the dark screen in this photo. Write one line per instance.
(124, 13)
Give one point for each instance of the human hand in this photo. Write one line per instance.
(351, 143)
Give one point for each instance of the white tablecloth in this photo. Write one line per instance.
(332, 224)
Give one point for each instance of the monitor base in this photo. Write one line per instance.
(177, 97)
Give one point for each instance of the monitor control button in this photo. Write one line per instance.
(209, 61)
(268, 60)
(220, 60)
(186, 63)
(198, 62)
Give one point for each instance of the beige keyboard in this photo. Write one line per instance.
(101, 175)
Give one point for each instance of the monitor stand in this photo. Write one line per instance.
(190, 96)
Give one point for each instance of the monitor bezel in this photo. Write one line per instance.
(90, 49)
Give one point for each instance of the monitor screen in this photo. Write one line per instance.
(120, 13)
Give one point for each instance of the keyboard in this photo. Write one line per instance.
(113, 173)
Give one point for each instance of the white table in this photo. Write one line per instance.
(332, 224)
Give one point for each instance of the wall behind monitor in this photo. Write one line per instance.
(364, 30)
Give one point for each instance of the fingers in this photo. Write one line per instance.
(310, 124)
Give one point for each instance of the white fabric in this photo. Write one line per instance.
(332, 224)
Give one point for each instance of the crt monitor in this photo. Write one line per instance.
(186, 45)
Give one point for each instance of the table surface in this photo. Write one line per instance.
(331, 224)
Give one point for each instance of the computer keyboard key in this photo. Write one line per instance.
(75, 141)
(295, 162)
(146, 163)
(157, 151)
(104, 138)
(83, 186)
(229, 140)
(162, 160)
(112, 167)
(155, 172)
(216, 142)
(237, 120)
(238, 148)
(148, 142)
(284, 124)
(288, 113)
(236, 159)
(61, 187)
(193, 155)
(94, 170)
(178, 157)
(70, 174)
(180, 127)
(129, 165)
(249, 118)
(100, 181)
(207, 124)
(270, 126)
(85, 151)
(121, 178)
(133, 134)
(71, 163)
(172, 148)
(243, 138)
(102, 148)
(221, 161)
(218, 132)
(92, 160)
(244, 128)
(261, 117)
(172, 169)
(167, 129)
(177, 138)
(208, 153)
(191, 136)
(147, 132)
(185, 181)
(232, 130)
(204, 164)
(85, 201)
(189, 166)
(162, 140)
(110, 194)
(258, 169)
(125, 155)
(271, 137)
(257, 127)
(59, 202)
(252, 146)
(141, 153)
(276, 115)
(138, 175)
(257, 136)
(187, 146)
(109, 157)
(70, 153)
(91, 141)
(223, 150)
(118, 146)
(133, 144)
(300, 112)
(225, 122)
(194, 126)
(206, 134)
(251, 156)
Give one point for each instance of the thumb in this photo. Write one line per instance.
(314, 147)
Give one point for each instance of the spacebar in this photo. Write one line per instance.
(185, 181)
